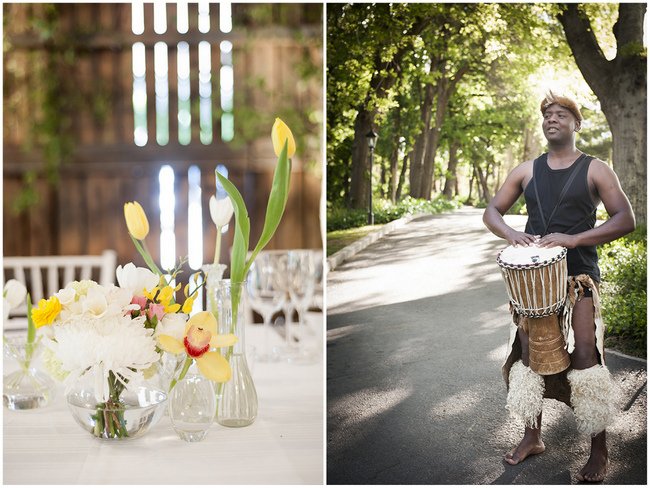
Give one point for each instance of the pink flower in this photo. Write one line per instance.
(139, 301)
(157, 309)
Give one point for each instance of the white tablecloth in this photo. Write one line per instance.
(283, 446)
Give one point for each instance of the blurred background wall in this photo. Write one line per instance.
(109, 103)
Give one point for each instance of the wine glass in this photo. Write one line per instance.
(266, 299)
(302, 277)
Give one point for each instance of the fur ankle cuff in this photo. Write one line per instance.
(525, 394)
(593, 397)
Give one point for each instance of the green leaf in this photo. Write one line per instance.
(242, 231)
(31, 329)
(146, 256)
(276, 204)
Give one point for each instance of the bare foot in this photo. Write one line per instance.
(529, 446)
(595, 469)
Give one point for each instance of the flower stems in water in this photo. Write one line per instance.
(109, 416)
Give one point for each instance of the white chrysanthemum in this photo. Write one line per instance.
(52, 365)
(92, 301)
(66, 296)
(82, 287)
(97, 346)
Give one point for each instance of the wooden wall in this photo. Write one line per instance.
(82, 213)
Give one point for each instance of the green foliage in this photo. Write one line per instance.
(339, 218)
(513, 54)
(623, 265)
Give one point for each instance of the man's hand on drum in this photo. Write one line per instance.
(557, 239)
(516, 238)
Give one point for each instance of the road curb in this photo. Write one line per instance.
(348, 251)
(620, 354)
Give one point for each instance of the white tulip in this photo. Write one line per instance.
(14, 293)
(136, 280)
(221, 211)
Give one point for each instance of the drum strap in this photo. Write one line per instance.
(565, 189)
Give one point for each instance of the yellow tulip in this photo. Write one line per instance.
(279, 134)
(200, 336)
(136, 220)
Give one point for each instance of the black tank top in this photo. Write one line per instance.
(576, 212)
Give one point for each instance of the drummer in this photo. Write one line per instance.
(562, 189)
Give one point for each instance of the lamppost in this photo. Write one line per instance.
(372, 142)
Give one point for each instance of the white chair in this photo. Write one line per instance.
(43, 276)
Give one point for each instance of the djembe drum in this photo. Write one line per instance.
(536, 281)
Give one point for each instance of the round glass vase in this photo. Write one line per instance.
(236, 398)
(192, 407)
(126, 414)
(213, 275)
(27, 387)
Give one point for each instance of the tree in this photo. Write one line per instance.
(621, 87)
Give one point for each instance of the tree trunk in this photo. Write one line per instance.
(445, 89)
(380, 84)
(394, 176)
(382, 180)
(402, 178)
(482, 181)
(417, 161)
(451, 180)
(359, 179)
(621, 88)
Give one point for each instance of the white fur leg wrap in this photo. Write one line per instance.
(593, 397)
(525, 394)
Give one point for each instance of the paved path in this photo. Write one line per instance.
(416, 331)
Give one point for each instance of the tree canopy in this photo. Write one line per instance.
(453, 91)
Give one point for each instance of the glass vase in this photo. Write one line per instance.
(236, 398)
(192, 407)
(213, 276)
(127, 413)
(27, 387)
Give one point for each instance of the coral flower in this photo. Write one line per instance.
(279, 134)
(136, 220)
(200, 336)
(46, 311)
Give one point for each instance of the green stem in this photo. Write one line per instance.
(141, 246)
(31, 332)
(217, 247)
(186, 367)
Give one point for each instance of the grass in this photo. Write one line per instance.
(626, 346)
(338, 239)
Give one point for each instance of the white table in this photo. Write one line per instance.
(283, 446)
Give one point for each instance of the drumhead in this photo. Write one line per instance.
(531, 256)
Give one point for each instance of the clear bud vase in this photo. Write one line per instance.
(237, 398)
(26, 387)
(213, 275)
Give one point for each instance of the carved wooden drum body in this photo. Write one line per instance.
(536, 281)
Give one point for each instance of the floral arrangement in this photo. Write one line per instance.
(115, 335)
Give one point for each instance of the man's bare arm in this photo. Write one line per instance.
(501, 203)
(621, 218)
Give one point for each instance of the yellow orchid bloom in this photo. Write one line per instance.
(152, 293)
(172, 308)
(200, 336)
(136, 220)
(46, 311)
(189, 304)
(281, 133)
